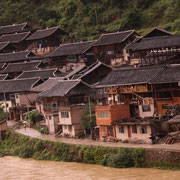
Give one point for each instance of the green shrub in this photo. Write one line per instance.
(61, 152)
(25, 152)
(39, 146)
(33, 117)
(88, 156)
(122, 159)
(138, 155)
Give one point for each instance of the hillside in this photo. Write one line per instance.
(85, 19)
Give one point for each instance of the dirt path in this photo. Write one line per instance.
(33, 133)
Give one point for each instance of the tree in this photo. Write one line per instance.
(89, 119)
(2, 113)
(33, 117)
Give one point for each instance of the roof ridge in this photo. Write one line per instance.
(76, 43)
(118, 32)
(13, 25)
(55, 27)
(14, 53)
(22, 79)
(28, 62)
(41, 70)
(14, 34)
(154, 28)
(159, 37)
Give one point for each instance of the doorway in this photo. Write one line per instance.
(129, 132)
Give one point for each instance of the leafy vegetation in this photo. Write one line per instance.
(87, 121)
(19, 145)
(33, 117)
(2, 113)
(84, 19)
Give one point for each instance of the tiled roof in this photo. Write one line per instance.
(17, 56)
(130, 76)
(20, 67)
(3, 45)
(14, 38)
(71, 49)
(157, 42)
(3, 76)
(14, 28)
(174, 120)
(169, 75)
(46, 85)
(40, 34)
(113, 38)
(2, 65)
(17, 85)
(157, 32)
(42, 74)
(65, 88)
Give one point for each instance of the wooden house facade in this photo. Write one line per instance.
(146, 92)
(15, 28)
(18, 40)
(71, 55)
(109, 48)
(47, 40)
(61, 101)
(17, 93)
(157, 47)
(16, 57)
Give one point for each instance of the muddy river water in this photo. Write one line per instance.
(14, 168)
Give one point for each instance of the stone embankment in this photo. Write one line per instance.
(17, 144)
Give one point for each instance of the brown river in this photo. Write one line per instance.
(28, 169)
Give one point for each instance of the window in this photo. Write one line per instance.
(17, 96)
(146, 108)
(103, 115)
(11, 96)
(143, 130)
(100, 91)
(110, 52)
(49, 117)
(121, 129)
(17, 104)
(64, 114)
(105, 90)
(72, 59)
(65, 127)
(134, 129)
(46, 104)
(164, 106)
(54, 105)
(40, 44)
(7, 105)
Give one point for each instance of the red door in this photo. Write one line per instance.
(129, 132)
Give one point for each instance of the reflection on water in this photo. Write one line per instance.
(21, 169)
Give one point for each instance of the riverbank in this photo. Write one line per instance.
(35, 134)
(23, 146)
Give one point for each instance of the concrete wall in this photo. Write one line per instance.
(147, 113)
(65, 121)
(9, 103)
(74, 120)
(137, 135)
(52, 122)
(25, 99)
